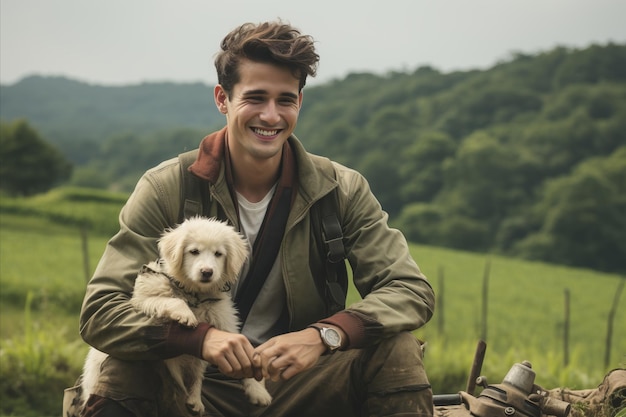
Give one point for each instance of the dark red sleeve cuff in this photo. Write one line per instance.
(352, 325)
(182, 340)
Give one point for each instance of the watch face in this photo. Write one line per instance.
(332, 338)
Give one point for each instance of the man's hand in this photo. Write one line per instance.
(231, 353)
(284, 356)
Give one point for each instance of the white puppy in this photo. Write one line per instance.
(199, 259)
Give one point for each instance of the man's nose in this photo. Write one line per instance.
(270, 113)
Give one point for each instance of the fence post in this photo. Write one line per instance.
(84, 238)
(566, 329)
(440, 302)
(609, 330)
(485, 293)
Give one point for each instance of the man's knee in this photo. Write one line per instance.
(399, 355)
(397, 382)
(127, 388)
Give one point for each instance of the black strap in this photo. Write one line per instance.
(332, 282)
(332, 246)
(265, 252)
(192, 193)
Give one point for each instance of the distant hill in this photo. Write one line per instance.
(63, 109)
(527, 158)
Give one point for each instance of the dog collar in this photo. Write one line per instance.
(193, 299)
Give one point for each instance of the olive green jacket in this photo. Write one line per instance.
(395, 294)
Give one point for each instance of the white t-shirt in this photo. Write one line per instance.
(251, 215)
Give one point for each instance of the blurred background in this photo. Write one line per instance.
(493, 133)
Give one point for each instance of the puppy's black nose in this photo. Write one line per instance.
(206, 274)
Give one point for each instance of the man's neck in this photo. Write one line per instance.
(253, 178)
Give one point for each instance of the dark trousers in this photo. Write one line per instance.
(105, 407)
(384, 380)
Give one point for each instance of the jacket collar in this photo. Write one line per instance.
(210, 156)
(315, 174)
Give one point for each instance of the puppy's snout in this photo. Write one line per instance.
(206, 274)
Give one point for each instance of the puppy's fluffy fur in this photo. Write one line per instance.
(199, 258)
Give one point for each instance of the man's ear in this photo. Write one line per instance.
(221, 97)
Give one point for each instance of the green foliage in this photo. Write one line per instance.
(91, 113)
(587, 205)
(28, 164)
(140, 155)
(35, 367)
(483, 154)
(422, 180)
(475, 152)
(448, 366)
(98, 212)
(593, 65)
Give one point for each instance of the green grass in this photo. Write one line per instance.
(526, 317)
(44, 259)
(41, 263)
(95, 210)
(36, 364)
(525, 314)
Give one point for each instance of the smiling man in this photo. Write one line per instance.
(318, 358)
(261, 112)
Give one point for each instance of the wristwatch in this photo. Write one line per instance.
(330, 337)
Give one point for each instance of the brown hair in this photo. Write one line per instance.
(271, 42)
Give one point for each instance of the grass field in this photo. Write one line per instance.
(526, 314)
(525, 318)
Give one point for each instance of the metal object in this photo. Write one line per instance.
(521, 376)
(516, 396)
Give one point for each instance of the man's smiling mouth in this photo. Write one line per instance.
(264, 132)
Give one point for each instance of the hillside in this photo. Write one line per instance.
(526, 158)
(68, 112)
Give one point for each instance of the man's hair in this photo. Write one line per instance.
(271, 42)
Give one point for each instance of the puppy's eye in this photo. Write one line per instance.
(218, 254)
(194, 251)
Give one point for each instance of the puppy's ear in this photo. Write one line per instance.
(171, 249)
(236, 255)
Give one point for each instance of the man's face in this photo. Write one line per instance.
(262, 111)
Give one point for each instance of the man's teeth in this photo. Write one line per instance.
(265, 132)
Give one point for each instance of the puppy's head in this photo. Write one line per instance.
(203, 254)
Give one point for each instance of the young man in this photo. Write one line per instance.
(358, 361)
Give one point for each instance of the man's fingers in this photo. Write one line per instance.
(263, 355)
(231, 353)
(273, 369)
(284, 356)
(283, 367)
(288, 373)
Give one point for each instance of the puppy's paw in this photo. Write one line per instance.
(196, 407)
(256, 392)
(185, 318)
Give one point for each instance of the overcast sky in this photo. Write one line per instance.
(117, 42)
